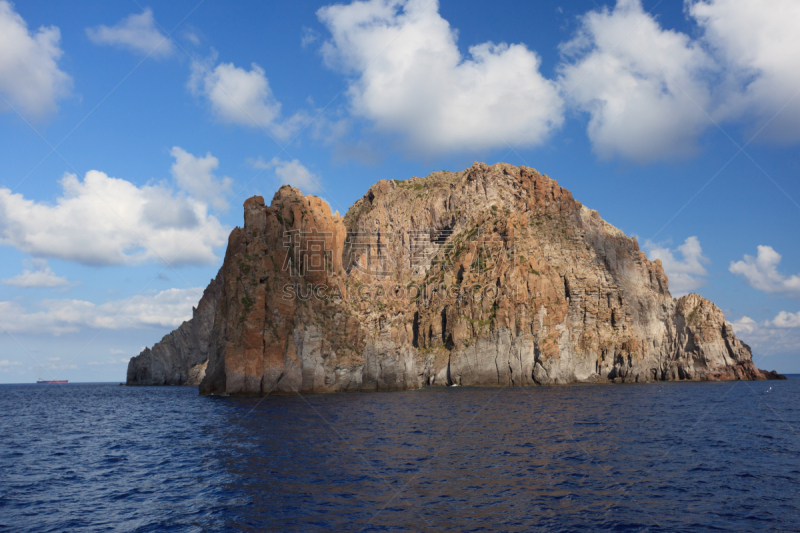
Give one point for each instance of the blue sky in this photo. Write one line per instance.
(131, 133)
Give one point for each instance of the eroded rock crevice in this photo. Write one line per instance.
(490, 276)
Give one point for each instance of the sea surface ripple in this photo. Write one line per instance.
(649, 457)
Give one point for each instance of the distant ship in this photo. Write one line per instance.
(43, 382)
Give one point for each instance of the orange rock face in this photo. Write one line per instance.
(490, 276)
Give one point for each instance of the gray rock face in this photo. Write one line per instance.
(494, 276)
(572, 298)
(181, 357)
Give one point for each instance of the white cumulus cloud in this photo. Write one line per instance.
(195, 175)
(784, 319)
(642, 85)
(243, 97)
(779, 335)
(107, 221)
(166, 309)
(413, 80)
(757, 45)
(136, 32)
(30, 78)
(292, 173)
(685, 273)
(651, 92)
(744, 325)
(38, 275)
(761, 272)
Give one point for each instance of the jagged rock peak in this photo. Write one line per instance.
(494, 275)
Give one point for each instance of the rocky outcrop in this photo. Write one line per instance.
(181, 357)
(490, 276)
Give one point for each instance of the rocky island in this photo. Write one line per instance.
(492, 276)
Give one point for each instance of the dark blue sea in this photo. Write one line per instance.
(649, 457)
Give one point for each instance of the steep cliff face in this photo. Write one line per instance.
(490, 276)
(180, 358)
